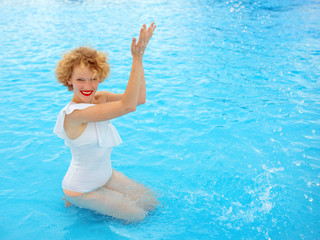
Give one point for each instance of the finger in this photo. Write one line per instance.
(151, 30)
(134, 42)
(152, 25)
(142, 34)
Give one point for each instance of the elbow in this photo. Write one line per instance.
(133, 109)
(140, 102)
(128, 107)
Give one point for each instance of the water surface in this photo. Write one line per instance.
(229, 136)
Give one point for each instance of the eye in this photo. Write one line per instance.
(80, 79)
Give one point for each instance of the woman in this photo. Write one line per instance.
(90, 182)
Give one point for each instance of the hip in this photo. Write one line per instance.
(76, 183)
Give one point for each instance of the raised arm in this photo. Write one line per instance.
(105, 96)
(129, 99)
(143, 92)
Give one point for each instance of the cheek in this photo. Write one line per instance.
(75, 86)
(73, 83)
(96, 85)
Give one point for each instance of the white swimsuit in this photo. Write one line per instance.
(90, 166)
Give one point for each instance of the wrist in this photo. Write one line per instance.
(137, 58)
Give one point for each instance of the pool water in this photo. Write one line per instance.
(229, 136)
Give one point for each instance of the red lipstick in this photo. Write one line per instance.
(86, 93)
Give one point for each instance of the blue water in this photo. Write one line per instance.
(229, 136)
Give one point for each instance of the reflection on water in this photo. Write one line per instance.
(229, 135)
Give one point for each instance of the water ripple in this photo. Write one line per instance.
(229, 135)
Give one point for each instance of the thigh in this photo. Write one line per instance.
(119, 179)
(121, 183)
(109, 202)
(144, 197)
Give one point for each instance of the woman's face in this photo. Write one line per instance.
(84, 83)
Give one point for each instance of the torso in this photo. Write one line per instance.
(73, 131)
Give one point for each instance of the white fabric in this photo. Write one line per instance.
(90, 166)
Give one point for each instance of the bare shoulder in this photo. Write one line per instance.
(100, 97)
(105, 96)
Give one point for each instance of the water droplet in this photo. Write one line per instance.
(229, 210)
(297, 164)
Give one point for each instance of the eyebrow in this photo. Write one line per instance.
(80, 78)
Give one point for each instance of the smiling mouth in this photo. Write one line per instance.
(86, 93)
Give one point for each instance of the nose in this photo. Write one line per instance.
(87, 84)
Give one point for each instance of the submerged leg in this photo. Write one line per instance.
(144, 197)
(111, 203)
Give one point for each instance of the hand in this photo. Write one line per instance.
(137, 49)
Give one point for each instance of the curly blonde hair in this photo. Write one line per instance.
(83, 56)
